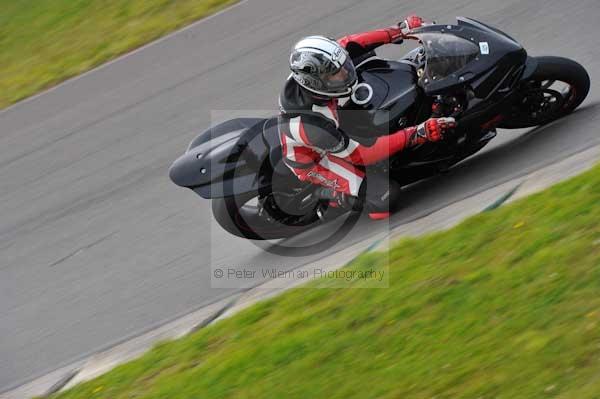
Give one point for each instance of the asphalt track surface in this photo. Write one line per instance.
(96, 244)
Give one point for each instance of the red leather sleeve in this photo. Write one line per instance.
(382, 149)
(371, 39)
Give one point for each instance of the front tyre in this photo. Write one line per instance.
(556, 88)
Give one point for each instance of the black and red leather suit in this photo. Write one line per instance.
(317, 151)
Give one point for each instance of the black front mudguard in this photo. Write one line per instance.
(226, 160)
(530, 66)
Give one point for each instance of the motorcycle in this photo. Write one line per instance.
(471, 71)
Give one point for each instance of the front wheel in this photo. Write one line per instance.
(556, 88)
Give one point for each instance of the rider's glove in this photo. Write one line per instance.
(411, 22)
(432, 130)
(399, 32)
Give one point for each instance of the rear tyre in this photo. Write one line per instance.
(236, 216)
(542, 101)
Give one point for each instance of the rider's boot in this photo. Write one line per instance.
(381, 193)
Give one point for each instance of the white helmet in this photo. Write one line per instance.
(323, 66)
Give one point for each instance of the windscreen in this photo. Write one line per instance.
(446, 54)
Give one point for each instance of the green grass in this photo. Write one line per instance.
(43, 42)
(505, 305)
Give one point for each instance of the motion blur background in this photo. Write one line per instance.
(96, 244)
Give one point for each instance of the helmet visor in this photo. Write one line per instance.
(341, 80)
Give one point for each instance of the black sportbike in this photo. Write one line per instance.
(470, 71)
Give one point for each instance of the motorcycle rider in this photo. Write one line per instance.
(314, 147)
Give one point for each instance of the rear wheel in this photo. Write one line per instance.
(556, 88)
(264, 218)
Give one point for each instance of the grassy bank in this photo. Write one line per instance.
(505, 305)
(43, 42)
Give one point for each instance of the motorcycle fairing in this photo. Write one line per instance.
(497, 51)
